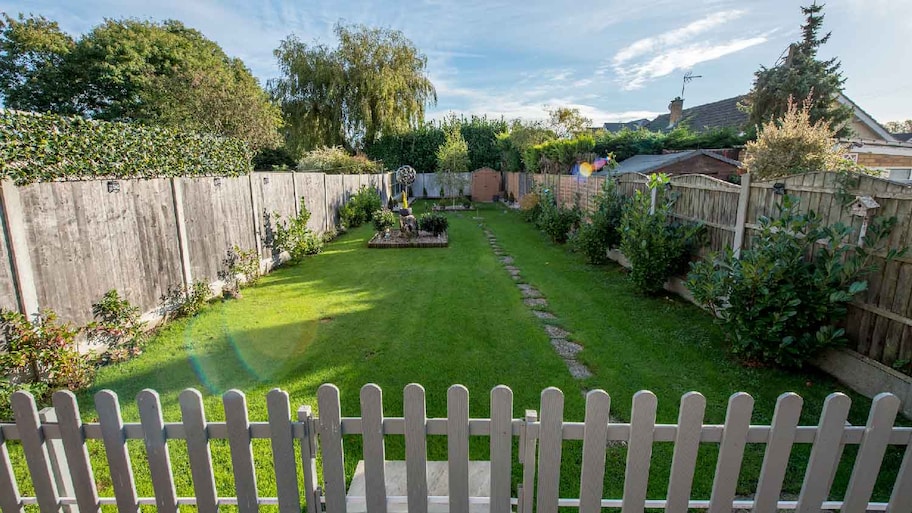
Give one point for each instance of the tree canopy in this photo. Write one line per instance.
(801, 75)
(129, 70)
(899, 127)
(372, 84)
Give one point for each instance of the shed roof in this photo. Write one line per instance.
(648, 163)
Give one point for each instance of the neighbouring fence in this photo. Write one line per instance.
(428, 182)
(879, 323)
(54, 444)
(68, 242)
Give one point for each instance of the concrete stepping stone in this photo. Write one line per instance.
(541, 314)
(514, 272)
(578, 370)
(529, 291)
(512, 268)
(556, 332)
(535, 302)
(508, 260)
(566, 349)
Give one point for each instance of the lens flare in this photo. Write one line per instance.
(585, 169)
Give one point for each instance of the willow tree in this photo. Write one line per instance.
(373, 83)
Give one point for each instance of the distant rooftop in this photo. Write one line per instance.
(721, 114)
(648, 163)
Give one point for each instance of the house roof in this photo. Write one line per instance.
(629, 125)
(906, 137)
(648, 163)
(720, 114)
(866, 118)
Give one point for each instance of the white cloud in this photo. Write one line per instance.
(653, 57)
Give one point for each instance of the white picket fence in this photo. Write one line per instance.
(61, 471)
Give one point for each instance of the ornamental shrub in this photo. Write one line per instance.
(360, 207)
(42, 353)
(293, 236)
(177, 302)
(383, 220)
(530, 206)
(117, 326)
(557, 222)
(433, 222)
(656, 246)
(44, 147)
(602, 231)
(336, 160)
(784, 299)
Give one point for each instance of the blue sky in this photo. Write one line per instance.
(615, 60)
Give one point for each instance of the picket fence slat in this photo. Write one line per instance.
(686, 448)
(639, 451)
(458, 448)
(592, 474)
(193, 415)
(116, 452)
(731, 452)
(549, 450)
(541, 475)
(157, 454)
(331, 445)
(283, 454)
(501, 448)
(36, 456)
(871, 453)
(309, 459)
(374, 448)
(77, 454)
(825, 453)
(415, 447)
(778, 450)
(9, 489)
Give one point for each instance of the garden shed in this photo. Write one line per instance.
(486, 183)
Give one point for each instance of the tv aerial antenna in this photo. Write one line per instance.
(689, 76)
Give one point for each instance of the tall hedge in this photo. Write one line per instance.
(44, 147)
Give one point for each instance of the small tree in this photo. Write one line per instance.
(567, 122)
(794, 144)
(453, 162)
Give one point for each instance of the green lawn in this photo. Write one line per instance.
(441, 316)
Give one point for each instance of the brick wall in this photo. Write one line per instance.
(703, 165)
(875, 160)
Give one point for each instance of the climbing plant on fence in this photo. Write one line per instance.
(43, 147)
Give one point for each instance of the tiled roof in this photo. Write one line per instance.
(720, 114)
(906, 137)
(629, 125)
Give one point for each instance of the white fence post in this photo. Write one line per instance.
(741, 220)
(59, 466)
(14, 226)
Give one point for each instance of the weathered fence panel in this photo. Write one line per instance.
(76, 240)
(84, 240)
(330, 432)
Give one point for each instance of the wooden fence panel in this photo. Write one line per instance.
(710, 201)
(595, 439)
(639, 451)
(686, 448)
(501, 448)
(778, 450)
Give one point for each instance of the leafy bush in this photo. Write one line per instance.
(360, 208)
(627, 143)
(777, 303)
(294, 237)
(793, 145)
(602, 231)
(433, 222)
(656, 247)
(43, 147)
(42, 354)
(240, 266)
(270, 159)
(558, 222)
(383, 220)
(563, 152)
(530, 206)
(178, 303)
(336, 160)
(117, 327)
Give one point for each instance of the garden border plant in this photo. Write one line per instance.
(784, 299)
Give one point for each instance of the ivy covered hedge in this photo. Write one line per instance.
(44, 147)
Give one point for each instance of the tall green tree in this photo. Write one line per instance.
(129, 70)
(373, 83)
(567, 122)
(799, 75)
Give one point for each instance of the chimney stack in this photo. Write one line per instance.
(675, 108)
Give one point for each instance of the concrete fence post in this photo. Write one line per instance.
(294, 189)
(653, 199)
(326, 223)
(257, 236)
(59, 466)
(177, 196)
(17, 244)
(741, 219)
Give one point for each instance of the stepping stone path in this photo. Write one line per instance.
(533, 298)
